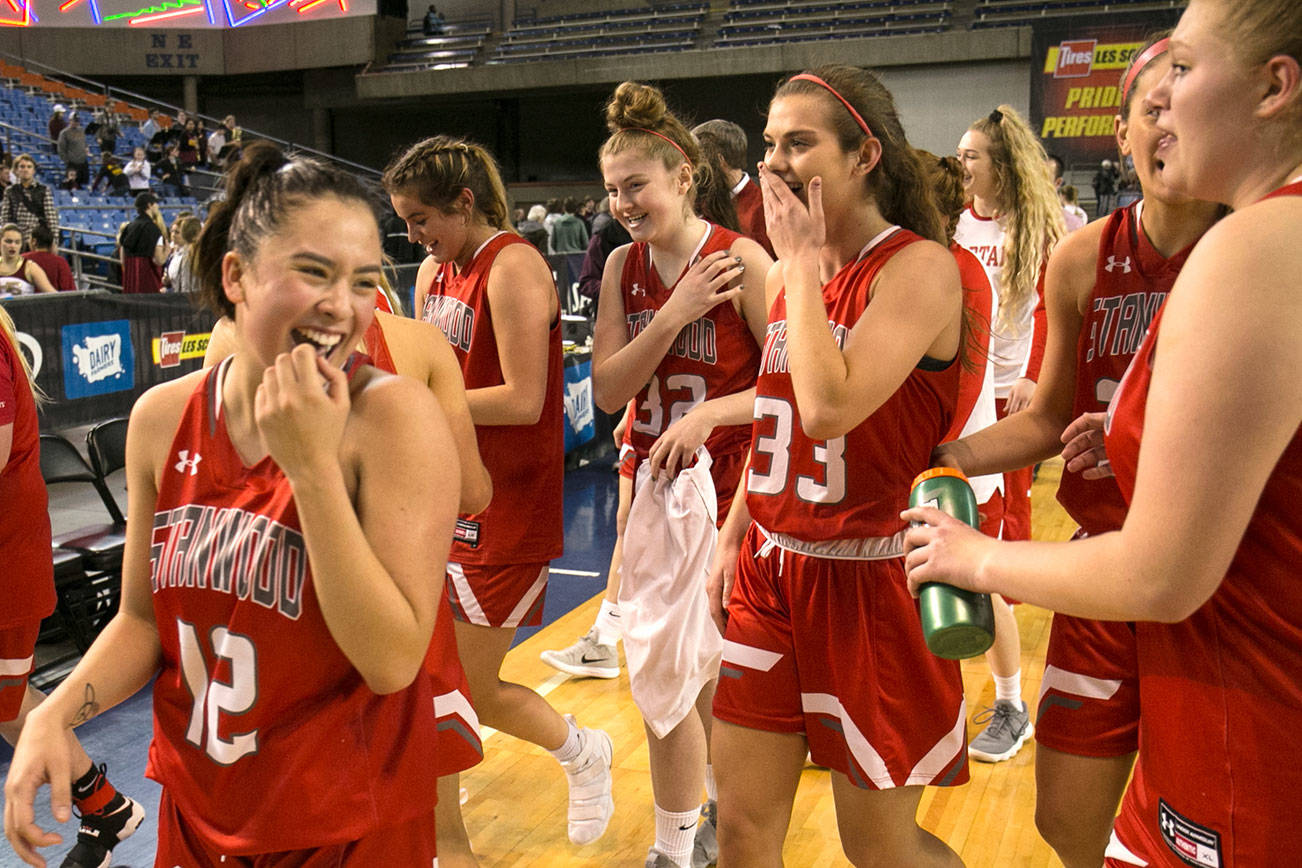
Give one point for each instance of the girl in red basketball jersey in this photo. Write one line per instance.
(858, 382)
(1205, 442)
(678, 330)
(1103, 285)
(287, 559)
(492, 294)
(1013, 221)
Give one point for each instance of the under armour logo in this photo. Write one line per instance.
(186, 462)
(1168, 826)
(1123, 265)
(637, 290)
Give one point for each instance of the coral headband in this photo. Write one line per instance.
(858, 118)
(677, 147)
(1157, 49)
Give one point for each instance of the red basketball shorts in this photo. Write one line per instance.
(1089, 697)
(17, 650)
(1017, 493)
(410, 842)
(498, 595)
(459, 746)
(834, 649)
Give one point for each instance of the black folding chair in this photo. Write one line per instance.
(89, 596)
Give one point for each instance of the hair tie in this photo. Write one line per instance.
(677, 147)
(858, 118)
(1154, 51)
(995, 116)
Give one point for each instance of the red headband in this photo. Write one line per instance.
(858, 118)
(1150, 54)
(677, 147)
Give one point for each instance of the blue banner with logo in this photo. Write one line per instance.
(94, 353)
(580, 423)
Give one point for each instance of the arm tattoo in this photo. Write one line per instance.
(88, 709)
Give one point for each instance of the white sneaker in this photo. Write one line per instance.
(591, 804)
(586, 657)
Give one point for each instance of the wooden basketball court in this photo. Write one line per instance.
(517, 798)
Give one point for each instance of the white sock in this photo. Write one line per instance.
(572, 747)
(1009, 687)
(607, 624)
(671, 838)
(711, 788)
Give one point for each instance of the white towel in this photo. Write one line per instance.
(671, 644)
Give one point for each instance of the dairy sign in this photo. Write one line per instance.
(1075, 82)
(97, 358)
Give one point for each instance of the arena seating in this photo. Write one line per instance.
(1019, 13)
(458, 45)
(639, 30)
(89, 221)
(766, 22)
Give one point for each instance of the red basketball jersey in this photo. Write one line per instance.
(853, 486)
(522, 524)
(1132, 280)
(749, 202)
(714, 356)
(1218, 778)
(264, 733)
(28, 583)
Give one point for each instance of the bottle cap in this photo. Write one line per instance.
(938, 471)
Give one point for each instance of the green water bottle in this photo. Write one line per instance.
(956, 624)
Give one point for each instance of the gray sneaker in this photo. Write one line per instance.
(705, 847)
(1007, 729)
(585, 657)
(656, 859)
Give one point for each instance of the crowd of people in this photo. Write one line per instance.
(294, 588)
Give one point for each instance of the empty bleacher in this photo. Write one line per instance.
(1019, 13)
(641, 30)
(767, 22)
(458, 45)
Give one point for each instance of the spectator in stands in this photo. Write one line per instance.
(58, 120)
(201, 136)
(569, 232)
(231, 150)
(532, 228)
(605, 238)
(187, 151)
(137, 170)
(434, 23)
(602, 216)
(517, 217)
(7, 176)
(171, 180)
(45, 254)
(149, 127)
(19, 276)
(728, 140)
(1072, 212)
(143, 249)
(587, 211)
(217, 144)
(69, 181)
(554, 212)
(1105, 188)
(72, 149)
(107, 132)
(178, 273)
(111, 177)
(29, 203)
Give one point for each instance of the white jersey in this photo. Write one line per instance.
(671, 644)
(1010, 345)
